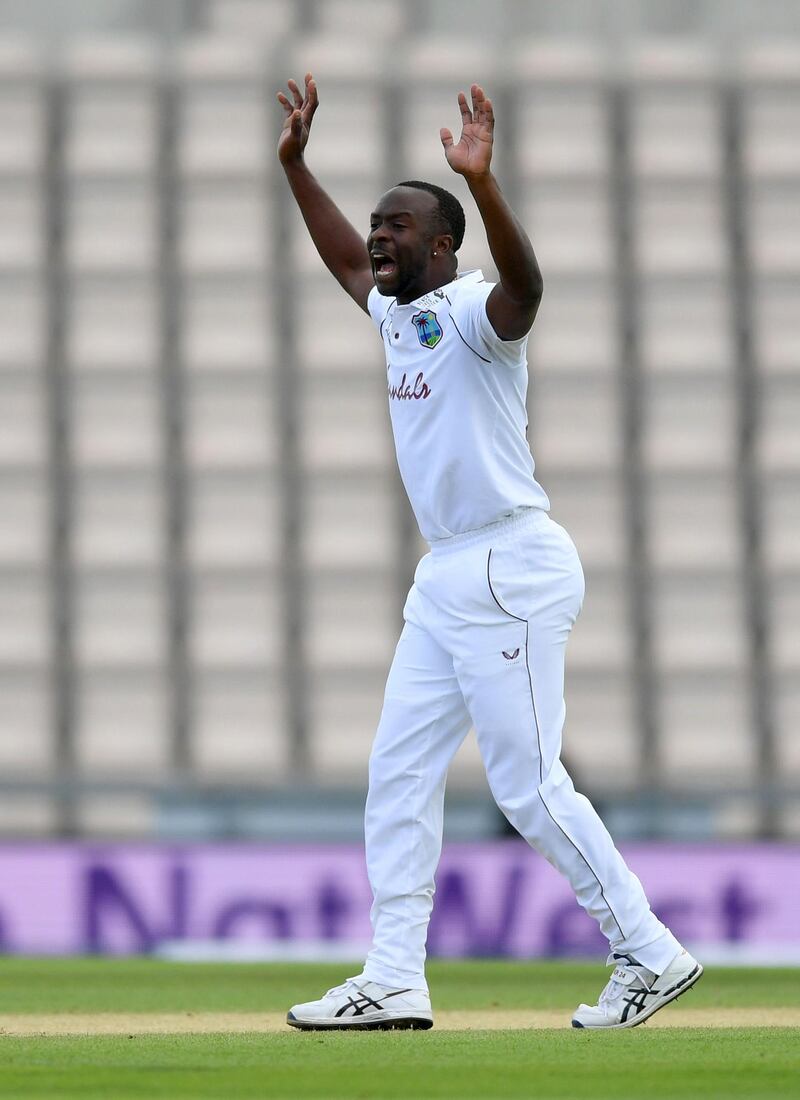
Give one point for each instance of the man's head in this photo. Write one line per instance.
(415, 231)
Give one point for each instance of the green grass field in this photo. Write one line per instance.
(47, 997)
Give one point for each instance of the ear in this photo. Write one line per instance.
(443, 243)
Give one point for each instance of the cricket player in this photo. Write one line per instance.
(488, 616)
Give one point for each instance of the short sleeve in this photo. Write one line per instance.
(378, 305)
(472, 321)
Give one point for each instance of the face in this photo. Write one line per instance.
(401, 243)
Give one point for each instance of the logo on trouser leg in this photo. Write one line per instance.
(511, 656)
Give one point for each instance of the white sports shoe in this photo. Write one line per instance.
(634, 993)
(360, 1005)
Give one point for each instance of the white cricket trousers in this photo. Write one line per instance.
(486, 627)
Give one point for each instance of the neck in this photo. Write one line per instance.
(432, 282)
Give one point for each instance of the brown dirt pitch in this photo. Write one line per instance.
(205, 1023)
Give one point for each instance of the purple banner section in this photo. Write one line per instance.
(491, 899)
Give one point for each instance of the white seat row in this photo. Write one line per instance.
(234, 517)
(120, 618)
(122, 723)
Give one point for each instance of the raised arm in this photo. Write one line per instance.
(341, 247)
(512, 304)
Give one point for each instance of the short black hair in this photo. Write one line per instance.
(451, 212)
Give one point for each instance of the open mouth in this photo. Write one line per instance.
(383, 266)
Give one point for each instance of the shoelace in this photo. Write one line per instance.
(617, 983)
(341, 988)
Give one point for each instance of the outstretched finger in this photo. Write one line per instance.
(488, 111)
(296, 93)
(466, 113)
(478, 98)
(284, 102)
(311, 101)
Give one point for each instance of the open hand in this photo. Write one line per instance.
(298, 114)
(473, 153)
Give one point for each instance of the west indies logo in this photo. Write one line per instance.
(429, 331)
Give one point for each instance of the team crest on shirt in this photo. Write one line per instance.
(429, 331)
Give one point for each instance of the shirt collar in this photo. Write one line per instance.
(433, 297)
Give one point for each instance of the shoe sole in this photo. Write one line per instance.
(669, 995)
(397, 1023)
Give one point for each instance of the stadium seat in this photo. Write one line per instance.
(679, 228)
(353, 621)
(467, 772)
(268, 20)
(676, 132)
(226, 324)
(564, 111)
(118, 518)
(120, 618)
(233, 519)
(112, 229)
(686, 325)
(25, 637)
(22, 108)
(225, 229)
(600, 639)
(771, 116)
(575, 330)
(787, 716)
(333, 335)
(112, 107)
(234, 619)
(350, 523)
(116, 420)
(588, 404)
(783, 616)
(221, 135)
(21, 227)
(122, 722)
(112, 325)
(768, 70)
(693, 521)
(706, 737)
(778, 440)
(592, 508)
(24, 535)
(776, 326)
(23, 426)
(780, 517)
(344, 714)
(22, 328)
(377, 20)
(230, 421)
(774, 228)
(344, 424)
(356, 198)
(26, 722)
(688, 423)
(431, 79)
(600, 740)
(240, 722)
(222, 122)
(699, 621)
(571, 227)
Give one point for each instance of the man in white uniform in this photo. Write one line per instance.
(492, 605)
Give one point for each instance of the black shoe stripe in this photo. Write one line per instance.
(361, 1003)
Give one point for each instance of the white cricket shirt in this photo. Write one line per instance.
(457, 404)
